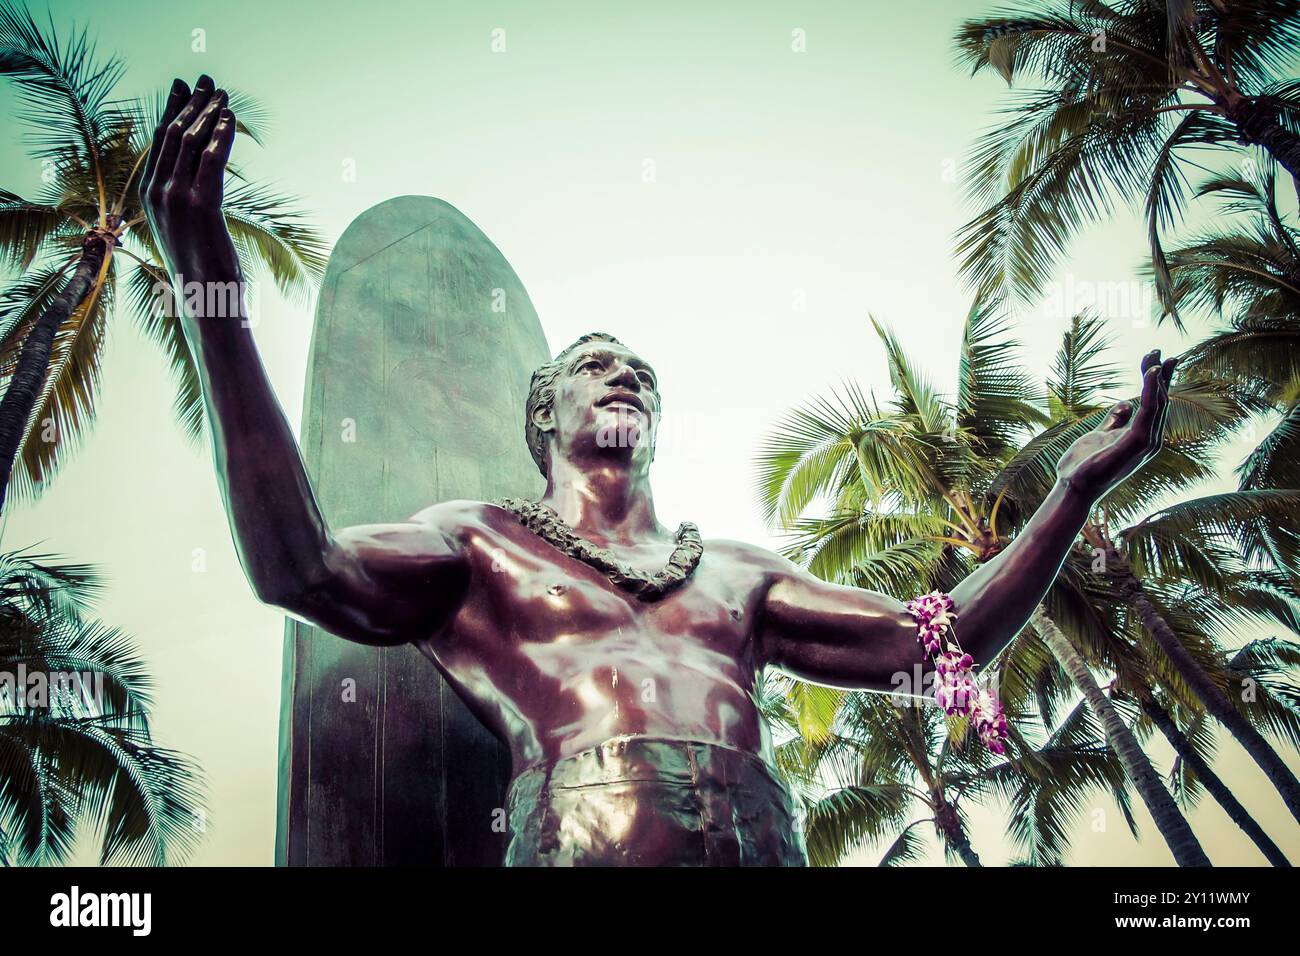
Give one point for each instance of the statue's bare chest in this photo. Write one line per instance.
(555, 657)
(532, 603)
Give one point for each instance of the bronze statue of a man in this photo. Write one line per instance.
(617, 660)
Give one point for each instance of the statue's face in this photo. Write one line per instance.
(606, 406)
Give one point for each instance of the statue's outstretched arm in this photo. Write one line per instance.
(383, 584)
(849, 637)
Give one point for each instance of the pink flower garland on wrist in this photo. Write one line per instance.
(955, 688)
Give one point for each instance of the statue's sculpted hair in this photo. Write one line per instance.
(541, 394)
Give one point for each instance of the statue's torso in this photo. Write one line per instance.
(556, 659)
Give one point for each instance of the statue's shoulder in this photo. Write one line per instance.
(461, 516)
(760, 559)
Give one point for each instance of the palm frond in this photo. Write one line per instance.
(1259, 523)
(62, 86)
(25, 228)
(147, 291)
(846, 819)
(270, 233)
(907, 848)
(1047, 787)
(141, 800)
(916, 397)
(1079, 379)
(811, 452)
(997, 403)
(46, 586)
(1120, 96)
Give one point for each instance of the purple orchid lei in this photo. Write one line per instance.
(955, 687)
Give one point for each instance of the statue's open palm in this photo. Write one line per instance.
(1125, 440)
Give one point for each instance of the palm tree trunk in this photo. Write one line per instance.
(1217, 788)
(1215, 700)
(1256, 121)
(34, 358)
(1168, 818)
(945, 816)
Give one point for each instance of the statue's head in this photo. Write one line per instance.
(597, 398)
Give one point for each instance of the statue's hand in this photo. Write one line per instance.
(1112, 451)
(181, 187)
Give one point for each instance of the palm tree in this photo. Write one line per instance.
(883, 760)
(1125, 91)
(920, 490)
(1247, 271)
(1210, 545)
(76, 753)
(67, 241)
(1143, 675)
(1149, 566)
(1137, 766)
(1205, 551)
(1193, 767)
(1196, 553)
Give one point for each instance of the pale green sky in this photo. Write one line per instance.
(826, 177)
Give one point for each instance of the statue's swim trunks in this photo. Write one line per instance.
(644, 801)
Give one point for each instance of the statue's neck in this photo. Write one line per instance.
(609, 501)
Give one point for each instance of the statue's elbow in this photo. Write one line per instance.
(292, 593)
(276, 594)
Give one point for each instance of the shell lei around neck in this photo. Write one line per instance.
(544, 522)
